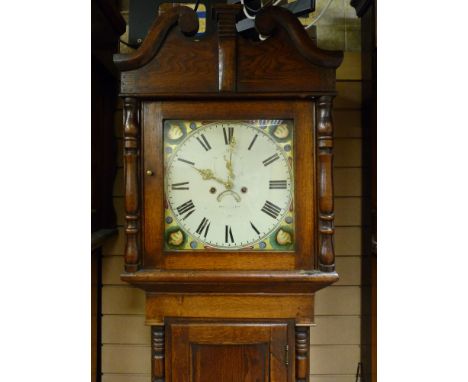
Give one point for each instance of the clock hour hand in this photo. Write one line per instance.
(207, 174)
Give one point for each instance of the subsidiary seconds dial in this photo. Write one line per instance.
(228, 184)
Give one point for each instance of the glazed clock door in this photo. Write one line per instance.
(221, 185)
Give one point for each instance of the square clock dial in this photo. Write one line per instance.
(229, 185)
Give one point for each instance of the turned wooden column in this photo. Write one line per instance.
(325, 183)
(131, 155)
(302, 353)
(157, 353)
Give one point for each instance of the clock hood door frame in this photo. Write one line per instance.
(301, 112)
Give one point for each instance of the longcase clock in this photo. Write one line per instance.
(228, 152)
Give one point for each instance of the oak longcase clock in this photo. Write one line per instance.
(228, 153)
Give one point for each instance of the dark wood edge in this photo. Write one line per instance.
(221, 8)
(230, 96)
(99, 237)
(157, 275)
(269, 19)
(361, 6)
(238, 322)
(185, 17)
(186, 281)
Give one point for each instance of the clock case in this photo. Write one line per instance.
(222, 76)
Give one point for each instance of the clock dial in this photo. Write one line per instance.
(229, 185)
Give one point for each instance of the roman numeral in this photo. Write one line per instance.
(203, 141)
(204, 225)
(180, 186)
(271, 209)
(255, 228)
(187, 208)
(228, 235)
(253, 141)
(186, 161)
(278, 184)
(228, 134)
(271, 159)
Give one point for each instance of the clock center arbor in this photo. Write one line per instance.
(228, 153)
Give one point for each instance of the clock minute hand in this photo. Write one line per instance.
(231, 175)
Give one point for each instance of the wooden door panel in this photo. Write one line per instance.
(226, 351)
(230, 363)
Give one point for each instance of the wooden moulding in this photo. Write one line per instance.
(200, 281)
(131, 157)
(325, 183)
(299, 307)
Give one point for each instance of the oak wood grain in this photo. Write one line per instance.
(281, 306)
(333, 300)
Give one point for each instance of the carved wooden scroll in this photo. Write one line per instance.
(302, 353)
(157, 341)
(131, 154)
(325, 183)
(227, 46)
(185, 17)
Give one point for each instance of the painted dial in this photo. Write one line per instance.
(228, 184)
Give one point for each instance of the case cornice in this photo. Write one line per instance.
(225, 63)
